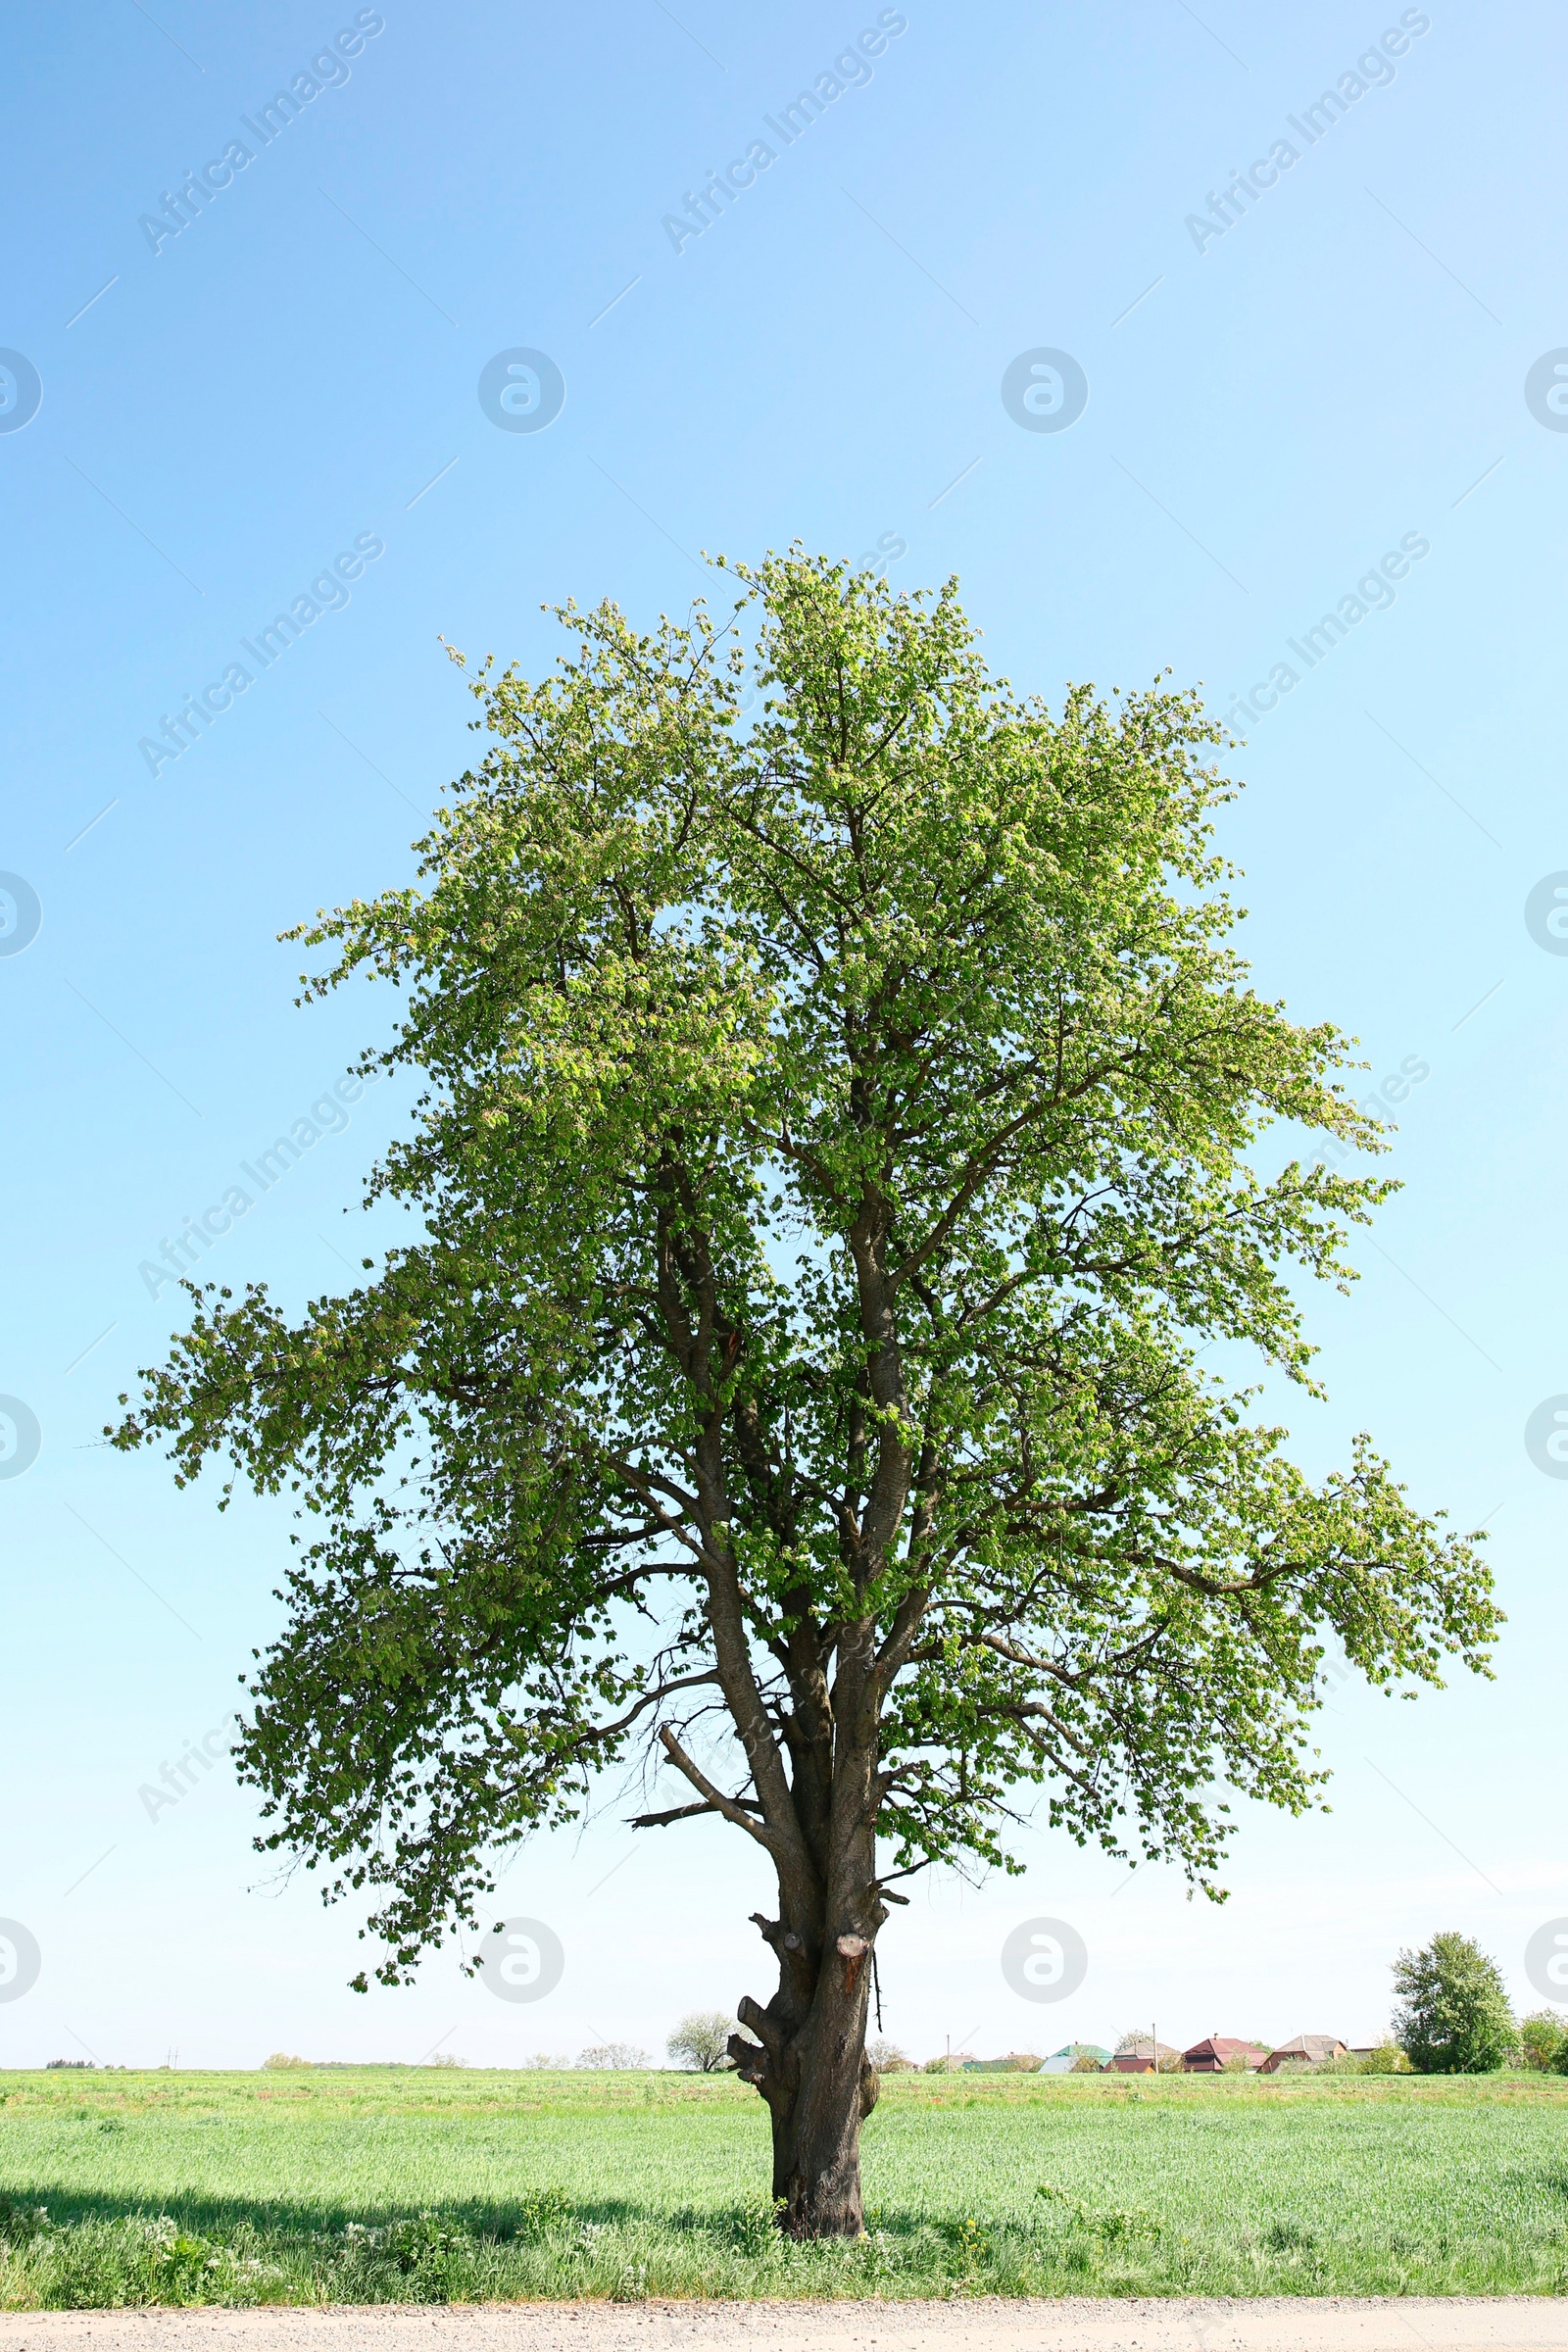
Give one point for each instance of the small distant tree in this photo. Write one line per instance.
(702, 2040)
(283, 2058)
(1453, 2016)
(1543, 2039)
(614, 2057)
(886, 2058)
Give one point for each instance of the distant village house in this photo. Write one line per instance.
(1077, 2058)
(1304, 2049)
(1223, 2053)
(1142, 2056)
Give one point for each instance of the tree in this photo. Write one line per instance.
(702, 2040)
(1541, 2039)
(842, 1136)
(1453, 2016)
(613, 2057)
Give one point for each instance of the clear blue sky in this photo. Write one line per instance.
(290, 376)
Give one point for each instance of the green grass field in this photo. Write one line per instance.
(364, 2186)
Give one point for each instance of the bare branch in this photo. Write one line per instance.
(721, 1803)
(660, 1821)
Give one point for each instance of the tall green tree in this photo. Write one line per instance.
(1453, 2015)
(839, 1144)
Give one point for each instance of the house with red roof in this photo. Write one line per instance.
(1222, 2052)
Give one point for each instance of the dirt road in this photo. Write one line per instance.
(1518, 2323)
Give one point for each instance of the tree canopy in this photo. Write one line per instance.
(702, 2040)
(1453, 2016)
(840, 1142)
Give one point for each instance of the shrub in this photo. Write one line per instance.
(282, 2058)
(1543, 2036)
(887, 2058)
(1387, 2059)
(702, 2040)
(542, 2211)
(1453, 2016)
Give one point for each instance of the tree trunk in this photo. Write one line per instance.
(816, 2081)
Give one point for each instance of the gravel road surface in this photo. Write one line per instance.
(1515, 2323)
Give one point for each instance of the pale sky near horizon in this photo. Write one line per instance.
(1343, 400)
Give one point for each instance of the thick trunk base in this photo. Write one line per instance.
(809, 2063)
(819, 2098)
(816, 2154)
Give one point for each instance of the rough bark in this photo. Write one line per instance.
(809, 2063)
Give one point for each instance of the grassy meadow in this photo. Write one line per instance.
(364, 2186)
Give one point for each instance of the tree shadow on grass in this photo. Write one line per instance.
(302, 2222)
(217, 2217)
